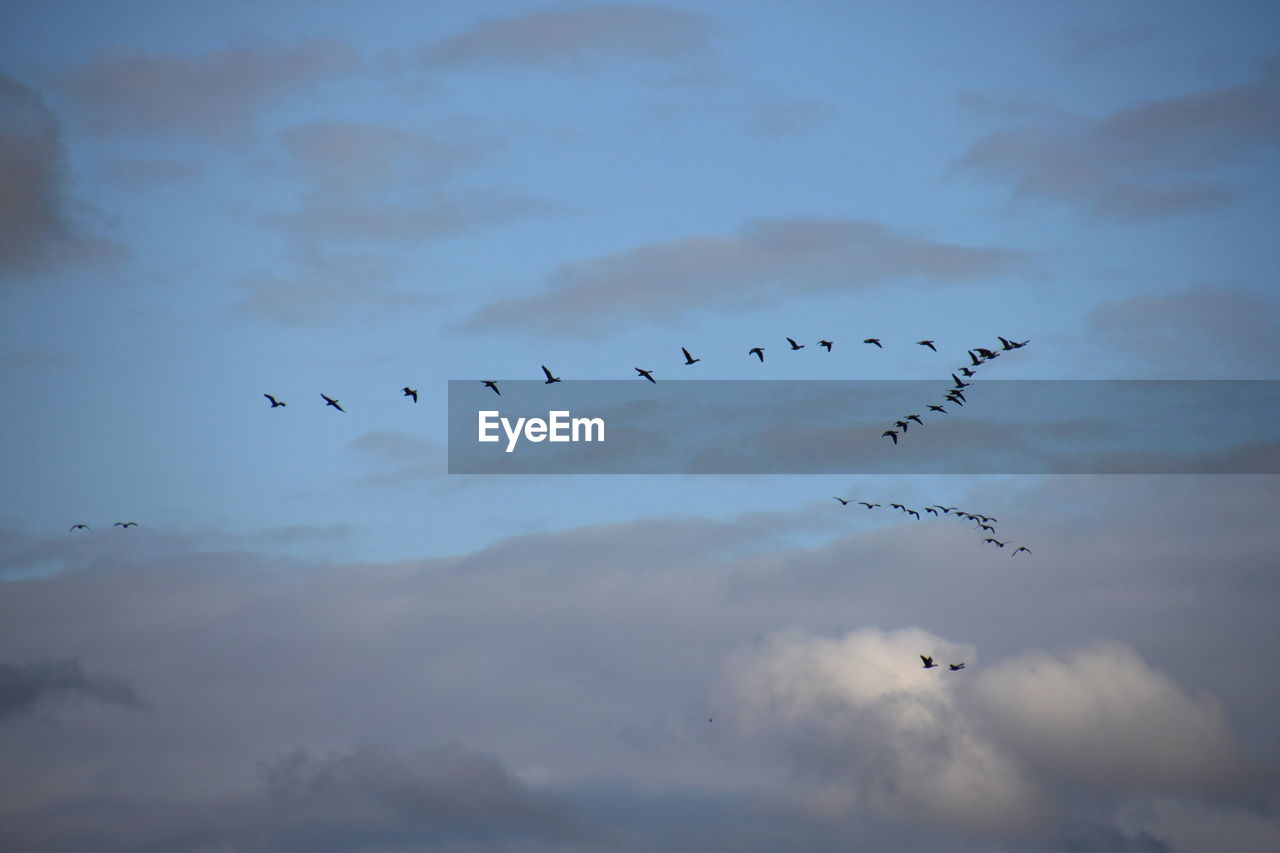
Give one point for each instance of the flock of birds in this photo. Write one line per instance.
(983, 522)
(121, 524)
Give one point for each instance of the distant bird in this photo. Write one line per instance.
(491, 383)
(1012, 344)
(955, 667)
(757, 351)
(875, 341)
(891, 434)
(902, 425)
(329, 401)
(1021, 548)
(958, 400)
(960, 383)
(956, 392)
(274, 401)
(913, 512)
(987, 527)
(867, 505)
(915, 418)
(995, 542)
(931, 509)
(81, 527)
(688, 359)
(826, 344)
(985, 354)
(794, 345)
(987, 518)
(411, 392)
(843, 502)
(550, 378)
(968, 374)
(976, 361)
(937, 409)
(928, 662)
(898, 506)
(647, 374)
(945, 509)
(928, 344)
(125, 524)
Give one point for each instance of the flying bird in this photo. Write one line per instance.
(411, 392)
(901, 425)
(81, 527)
(891, 434)
(550, 378)
(976, 361)
(987, 527)
(928, 662)
(875, 341)
(647, 374)
(937, 409)
(945, 509)
(794, 345)
(843, 502)
(913, 512)
(867, 505)
(492, 383)
(1021, 548)
(329, 401)
(274, 401)
(1012, 344)
(688, 359)
(955, 667)
(915, 418)
(985, 354)
(995, 542)
(931, 509)
(826, 344)
(968, 374)
(125, 524)
(757, 351)
(959, 382)
(898, 506)
(928, 344)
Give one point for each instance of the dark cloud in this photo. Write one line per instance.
(582, 37)
(1152, 159)
(679, 277)
(25, 686)
(217, 96)
(37, 229)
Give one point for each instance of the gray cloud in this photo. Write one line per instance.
(25, 686)
(217, 96)
(140, 174)
(581, 37)
(37, 229)
(679, 277)
(1151, 159)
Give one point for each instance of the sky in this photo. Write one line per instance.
(317, 638)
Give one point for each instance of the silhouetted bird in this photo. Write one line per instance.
(955, 667)
(826, 344)
(928, 662)
(867, 505)
(945, 509)
(960, 383)
(976, 361)
(931, 509)
(875, 341)
(647, 374)
(688, 359)
(937, 409)
(915, 418)
(913, 512)
(329, 401)
(995, 542)
(1021, 548)
(794, 345)
(274, 401)
(411, 392)
(843, 502)
(491, 383)
(985, 354)
(757, 351)
(987, 527)
(891, 434)
(1012, 344)
(898, 506)
(968, 374)
(550, 378)
(928, 344)
(902, 425)
(81, 527)
(959, 401)
(125, 524)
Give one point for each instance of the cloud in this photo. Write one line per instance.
(398, 458)
(328, 287)
(25, 686)
(141, 174)
(37, 230)
(1152, 159)
(581, 38)
(678, 277)
(217, 96)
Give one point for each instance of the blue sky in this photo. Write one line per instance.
(207, 202)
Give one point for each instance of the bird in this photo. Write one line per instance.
(928, 344)
(843, 502)
(987, 527)
(931, 509)
(958, 400)
(794, 345)
(976, 361)
(995, 542)
(955, 667)
(411, 392)
(757, 351)
(959, 382)
(945, 509)
(1021, 548)
(125, 524)
(550, 378)
(987, 518)
(937, 409)
(329, 401)
(898, 506)
(867, 505)
(968, 374)
(81, 527)
(915, 418)
(875, 341)
(901, 425)
(688, 359)
(985, 354)
(1012, 344)
(928, 662)
(647, 374)
(913, 512)
(826, 344)
(492, 383)
(891, 434)
(274, 401)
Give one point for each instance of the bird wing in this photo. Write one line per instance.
(548, 372)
